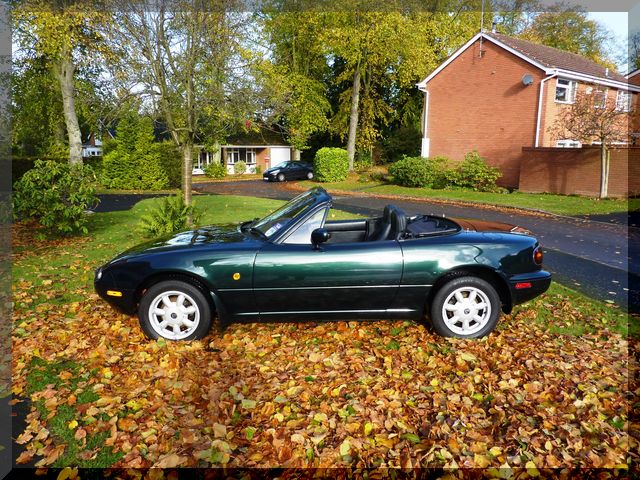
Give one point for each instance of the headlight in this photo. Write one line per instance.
(99, 273)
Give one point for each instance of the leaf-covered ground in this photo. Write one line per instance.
(360, 394)
(387, 394)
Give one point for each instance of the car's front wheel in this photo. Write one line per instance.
(281, 177)
(174, 310)
(465, 307)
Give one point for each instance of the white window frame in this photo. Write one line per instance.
(604, 91)
(250, 156)
(568, 143)
(233, 156)
(570, 88)
(623, 101)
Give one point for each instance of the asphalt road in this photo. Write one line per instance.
(592, 256)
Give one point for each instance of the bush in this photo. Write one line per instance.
(170, 216)
(216, 170)
(56, 195)
(420, 172)
(363, 161)
(136, 163)
(239, 168)
(331, 164)
(474, 173)
(378, 173)
(171, 160)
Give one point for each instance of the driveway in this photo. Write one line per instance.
(588, 255)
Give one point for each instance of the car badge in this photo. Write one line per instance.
(236, 276)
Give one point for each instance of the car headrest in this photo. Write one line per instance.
(398, 224)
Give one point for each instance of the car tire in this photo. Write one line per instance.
(187, 313)
(309, 175)
(465, 307)
(280, 177)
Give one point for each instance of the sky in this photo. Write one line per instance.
(618, 24)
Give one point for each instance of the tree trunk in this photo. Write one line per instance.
(187, 172)
(353, 117)
(64, 70)
(604, 171)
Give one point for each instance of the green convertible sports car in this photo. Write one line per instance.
(293, 265)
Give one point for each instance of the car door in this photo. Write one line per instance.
(295, 172)
(349, 280)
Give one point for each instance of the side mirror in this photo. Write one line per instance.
(318, 236)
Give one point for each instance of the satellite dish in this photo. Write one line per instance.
(527, 79)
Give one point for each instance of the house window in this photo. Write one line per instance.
(567, 143)
(246, 155)
(566, 91)
(623, 101)
(600, 98)
(233, 156)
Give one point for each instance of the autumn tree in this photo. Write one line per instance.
(188, 63)
(570, 30)
(61, 34)
(591, 118)
(295, 71)
(381, 53)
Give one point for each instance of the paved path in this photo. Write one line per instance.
(591, 256)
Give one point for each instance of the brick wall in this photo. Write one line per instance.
(479, 102)
(572, 171)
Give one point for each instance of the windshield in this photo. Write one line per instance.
(282, 217)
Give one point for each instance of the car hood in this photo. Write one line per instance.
(272, 169)
(488, 226)
(213, 234)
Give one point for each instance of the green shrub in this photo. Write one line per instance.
(56, 195)
(362, 162)
(474, 173)
(136, 162)
(170, 216)
(239, 168)
(439, 167)
(331, 164)
(216, 170)
(258, 169)
(171, 161)
(420, 172)
(378, 173)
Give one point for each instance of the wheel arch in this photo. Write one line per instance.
(486, 273)
(212, 297)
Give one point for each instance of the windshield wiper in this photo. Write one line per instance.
(259, 232)
(248, 224)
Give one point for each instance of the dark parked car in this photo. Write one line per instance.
(294, 265)
(289, 171)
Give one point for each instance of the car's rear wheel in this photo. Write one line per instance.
(309, 175)
(465, 307)
(281, 177)
(174, 310)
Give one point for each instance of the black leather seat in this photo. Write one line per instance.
(383, 228)
(398, 224)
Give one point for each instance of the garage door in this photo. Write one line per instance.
(279, 155)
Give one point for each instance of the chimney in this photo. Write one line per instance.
(606, 72)
(493, 27)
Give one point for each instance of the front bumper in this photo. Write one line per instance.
(123, 300)
(526, 286)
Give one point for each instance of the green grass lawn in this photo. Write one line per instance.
(559, 204)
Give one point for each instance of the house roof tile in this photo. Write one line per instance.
(553, 58)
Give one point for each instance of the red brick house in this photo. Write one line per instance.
(498, 94)
(633, 77)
